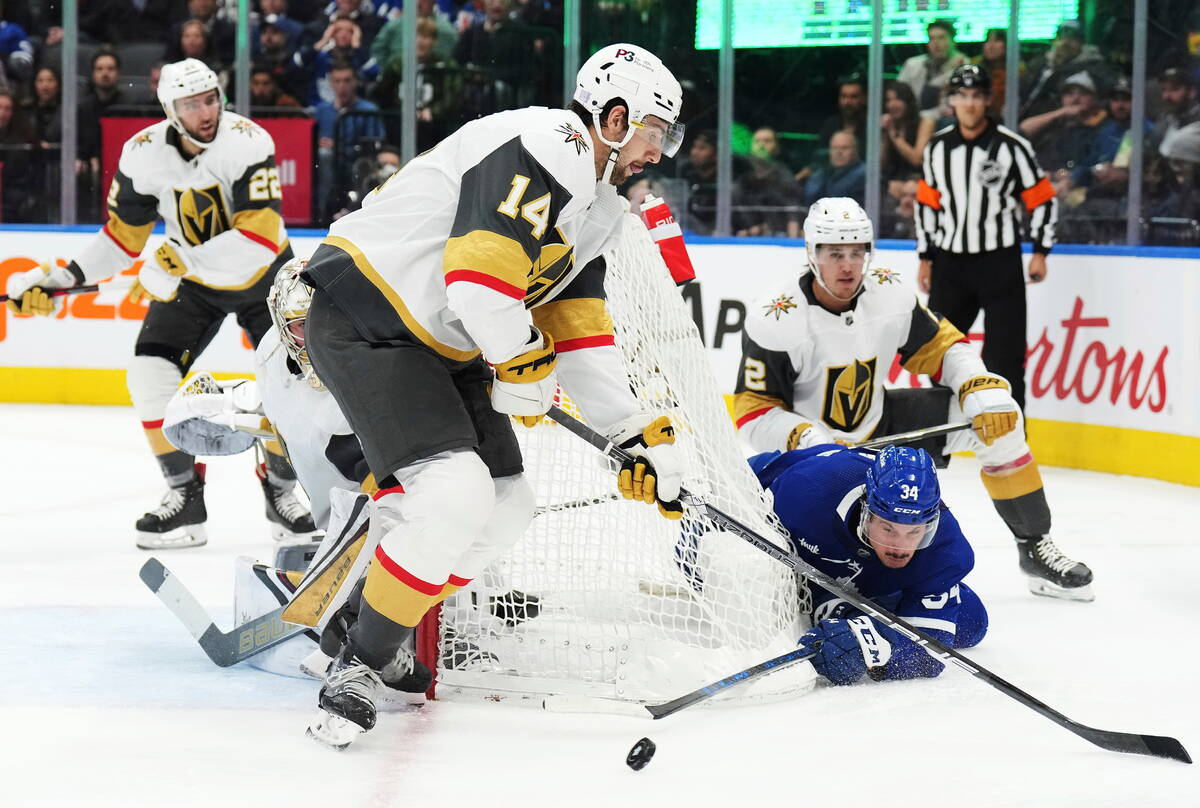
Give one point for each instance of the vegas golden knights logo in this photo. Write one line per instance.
(554, 263)
(849, 390)
(201, 213)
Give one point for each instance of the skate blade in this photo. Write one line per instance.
(177, 539)
(285, 538)
(333, 730)
(1081, 594)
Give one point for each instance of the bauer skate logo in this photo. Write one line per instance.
(849, 391)
(779, 306)
(573, 136)
(202, 213)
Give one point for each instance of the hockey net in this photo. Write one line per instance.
(603, 597)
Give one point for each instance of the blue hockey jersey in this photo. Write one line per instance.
(818, 495)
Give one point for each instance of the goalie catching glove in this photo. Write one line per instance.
(526, 384)
(160, 280)
(848, 649)
(988, 405)
(655, 471)
(29, 292)
(210, 418)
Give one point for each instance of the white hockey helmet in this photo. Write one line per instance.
(289, 301)
(836, 220)
(181, 80)
(639, 79)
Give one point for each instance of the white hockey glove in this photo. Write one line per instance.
(28, 291)
(656, 470)
(989, 406)
(526, 384)
(208, 418)
(160, 280)
(805, 435)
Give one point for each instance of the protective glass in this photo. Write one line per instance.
(892, 537)
(195, 103)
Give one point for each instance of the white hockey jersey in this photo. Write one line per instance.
(320, 443)
(492, 230)
(802, 364)
(222, 205)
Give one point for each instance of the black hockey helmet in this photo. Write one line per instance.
(970, 76)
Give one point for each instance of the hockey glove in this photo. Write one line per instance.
(655, 471)
(988, 405)
(849, 648)
(805, 435)
(526, 384)
(168, 258)
(28, 292)
(154, 283)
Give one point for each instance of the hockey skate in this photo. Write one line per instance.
(291, 523)
(1052, 574)
(179, 521)
(347, 701)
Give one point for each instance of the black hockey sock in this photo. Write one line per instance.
(178, 468)
(1027, 516)
(376, 639)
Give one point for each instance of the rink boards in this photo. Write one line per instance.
(1113, 370)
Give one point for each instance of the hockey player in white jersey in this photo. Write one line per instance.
(211, 176)
(482, 251)
(815, 352)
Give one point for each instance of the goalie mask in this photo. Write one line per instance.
(901, 504)
(288, 301)
(178, 83)
(639, 80)
(838, 220)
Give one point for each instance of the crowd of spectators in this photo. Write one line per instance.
(339, 62)
(1074, 107)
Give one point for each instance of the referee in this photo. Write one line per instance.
(977, 175)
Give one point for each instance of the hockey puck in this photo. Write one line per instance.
(640, 754)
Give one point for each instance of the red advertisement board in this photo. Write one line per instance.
(293, 154)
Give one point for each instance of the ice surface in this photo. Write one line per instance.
(108, 701)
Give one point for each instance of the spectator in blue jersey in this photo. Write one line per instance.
(342, 44)
(16, 52)
(876, 523)
(346, 126)
(275, 13)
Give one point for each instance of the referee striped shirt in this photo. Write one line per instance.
(969, 200)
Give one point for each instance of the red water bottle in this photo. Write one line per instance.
(669, 237)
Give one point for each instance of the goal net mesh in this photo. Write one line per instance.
(603, 597)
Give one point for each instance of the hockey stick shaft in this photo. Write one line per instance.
(74, 290)
(915, 435)
(586, 704)
(1132, 743)
(224, 648)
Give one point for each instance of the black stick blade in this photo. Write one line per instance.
(1134, 744)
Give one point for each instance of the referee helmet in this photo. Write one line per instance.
(970, 77)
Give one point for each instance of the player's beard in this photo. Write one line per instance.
(621, 171)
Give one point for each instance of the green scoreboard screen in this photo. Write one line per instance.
(812, 23)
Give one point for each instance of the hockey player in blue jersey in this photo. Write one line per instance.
(876, 522)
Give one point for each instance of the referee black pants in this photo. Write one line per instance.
(962, 284)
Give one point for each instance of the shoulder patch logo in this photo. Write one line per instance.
(779, 306)
(245, 127)
(574, 136)
(883, 276)
(142, 138)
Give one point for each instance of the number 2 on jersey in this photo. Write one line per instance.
(264, 184)
(537, 212)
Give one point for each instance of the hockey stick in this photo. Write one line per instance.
(224, 648)
(74, 290)
(1155, 745)
(575, 503)
(916, 434)
(584, 704)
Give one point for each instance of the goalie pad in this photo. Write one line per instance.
(341, 560)
(208, 419)
(257, 590)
